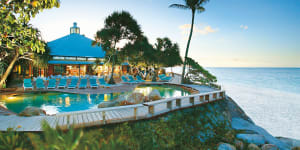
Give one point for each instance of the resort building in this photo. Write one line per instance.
(71, 55)
(74, 54)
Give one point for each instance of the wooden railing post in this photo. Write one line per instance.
(151, 109)
(169, 105)
(201, 98)
(103, 117)
(192, 100)
(135, 113)
(207, 98)
(178, 102)
(214, 96)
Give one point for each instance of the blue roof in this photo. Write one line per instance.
(75, 45)
(71, 62)
(125, 64)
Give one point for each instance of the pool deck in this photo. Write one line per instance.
(102, 116)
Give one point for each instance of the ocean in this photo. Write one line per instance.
(269, 96)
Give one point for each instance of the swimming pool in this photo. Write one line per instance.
(57, 102)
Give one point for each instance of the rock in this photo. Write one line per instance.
(239, 144)
(107, 104)
(269, 147)
(32, 111)
(290, 142)
(120, 98)
(296, 148)
(154, 95)
(124, 103)
(252, 138)
(226, 146)
(241, 124)
(253, 147)
(136, 98)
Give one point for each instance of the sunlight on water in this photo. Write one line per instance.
(55, 102)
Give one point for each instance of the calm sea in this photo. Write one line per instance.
(270, 96)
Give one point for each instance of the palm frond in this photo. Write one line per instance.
(200, 9)
(179, 6)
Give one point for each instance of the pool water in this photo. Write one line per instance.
(57, 102)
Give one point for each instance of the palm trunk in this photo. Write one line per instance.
(8, 70)
(187, 48)
(111, 80)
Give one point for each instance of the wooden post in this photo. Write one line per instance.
(135, 113)
(207, 98)
(151, 109)
(214, 96)
(192, 100)
(201, 98)
(103, 117)
(178, 102)
(169, 105)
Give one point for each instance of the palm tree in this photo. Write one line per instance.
(195, 6)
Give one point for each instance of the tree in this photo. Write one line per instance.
(119, 27)
(18, 39)
(170, 55)
(197, 73)
(194, 6)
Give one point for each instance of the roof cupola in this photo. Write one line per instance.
(74, 29)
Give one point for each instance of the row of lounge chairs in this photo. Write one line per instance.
(63, 83)
(83, 82)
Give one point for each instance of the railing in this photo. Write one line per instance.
(146, 110)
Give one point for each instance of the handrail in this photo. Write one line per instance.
(180, 97)
(101, 109)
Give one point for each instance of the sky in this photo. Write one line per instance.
(230, 33)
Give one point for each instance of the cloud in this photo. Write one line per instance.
(244, 27)
(201, 30)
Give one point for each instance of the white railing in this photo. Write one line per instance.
(134, 112)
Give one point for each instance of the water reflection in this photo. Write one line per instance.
(55, 102)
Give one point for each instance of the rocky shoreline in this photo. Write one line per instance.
(249, 135)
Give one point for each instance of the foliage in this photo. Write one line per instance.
(194, 6)
(14, 140)
(119, 26)
(194, 128)
(197, 73)
(18, 39)
(56, 138)
(167, 52)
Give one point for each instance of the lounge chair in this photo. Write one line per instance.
(103, 83)
(131, 79)
(93, 83)
(27, 84)
(52, 84)
(125, 80)
(73, 83)
(40, 84)
(163, 77)
(83, 84)
(139, 78)
(62, 83)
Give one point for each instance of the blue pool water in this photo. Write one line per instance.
(270, 96)
(56, 102)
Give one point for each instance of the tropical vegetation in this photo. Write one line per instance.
(194, 6)
(19, 40)
(195, 128)
(119, 27)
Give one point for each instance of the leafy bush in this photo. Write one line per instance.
(195, 128)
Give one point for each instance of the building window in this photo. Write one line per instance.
(70, 58)
(81, 58)
(58, 58)
(91, 59)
